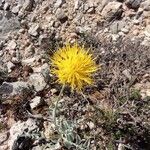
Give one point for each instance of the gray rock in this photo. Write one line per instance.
(6, 6)
(8, 25)
(3, 137)
(35, 102)
(101, 6)
(29, 51)
(28, 4)
(134, 4)
(146, 5)
(147, 31)
(6, 88)
(1, 53)
(15, 9)
(59, 3)
(127, 74)
(112, 10)
(91, 125)
(21, 129)
(29, 61)
(10, 66)
(34, 29)
(117, 26)
(77, 4)
(11, 45)
(14, 88)
(37, 80)
(61, 16)
(42, 39)
(44, 69)
(114, 28)
(125, 30)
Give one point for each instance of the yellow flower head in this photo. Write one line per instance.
(73, 65)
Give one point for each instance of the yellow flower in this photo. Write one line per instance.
(73, 65)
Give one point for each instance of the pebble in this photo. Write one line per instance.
(134, 4)
(59, 3)
(125, 30)
(34, 29)
(3, 137)
(112, 9)
(28, 4)
(37, 80)
(146, 5)
(126, 73)
(10, 66)
(35, 102)
(147, 31)
(6, 6)
(11, 45)
(61, 16)
(136, 22)
(19, 129)
(14, 88)
(28, 61)
(15, 9)
(91, 125)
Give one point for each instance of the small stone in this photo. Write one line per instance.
(136, 22)
(134, 4)
(35, 102)
(18, 132)
(42, 39)
(3, 137)
(1, 53)
(112, 10)
(147, 31)
(114, 28)
(29, 61)
(44, 69)
(6, 6)
(115, 37)
(11, 45)
(91, 10)
(126, 72)
(76, 4)
(101, 6)
(28, 4)
(146, 5)
(34, 29)
(135, 32)
(61, 16)
(14, 88)
(10, 66)
(21, 31)
(125, 30)
(37, 80)
(53, 91)
(15, 9)
(29, 51)
(15, 60)
(91, 125)
(59, 3)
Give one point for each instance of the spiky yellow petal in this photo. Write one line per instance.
(73, 65)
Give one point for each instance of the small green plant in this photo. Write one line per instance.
(135, 94)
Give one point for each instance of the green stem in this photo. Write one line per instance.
(56, 105)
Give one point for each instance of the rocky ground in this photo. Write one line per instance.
(114, 113)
